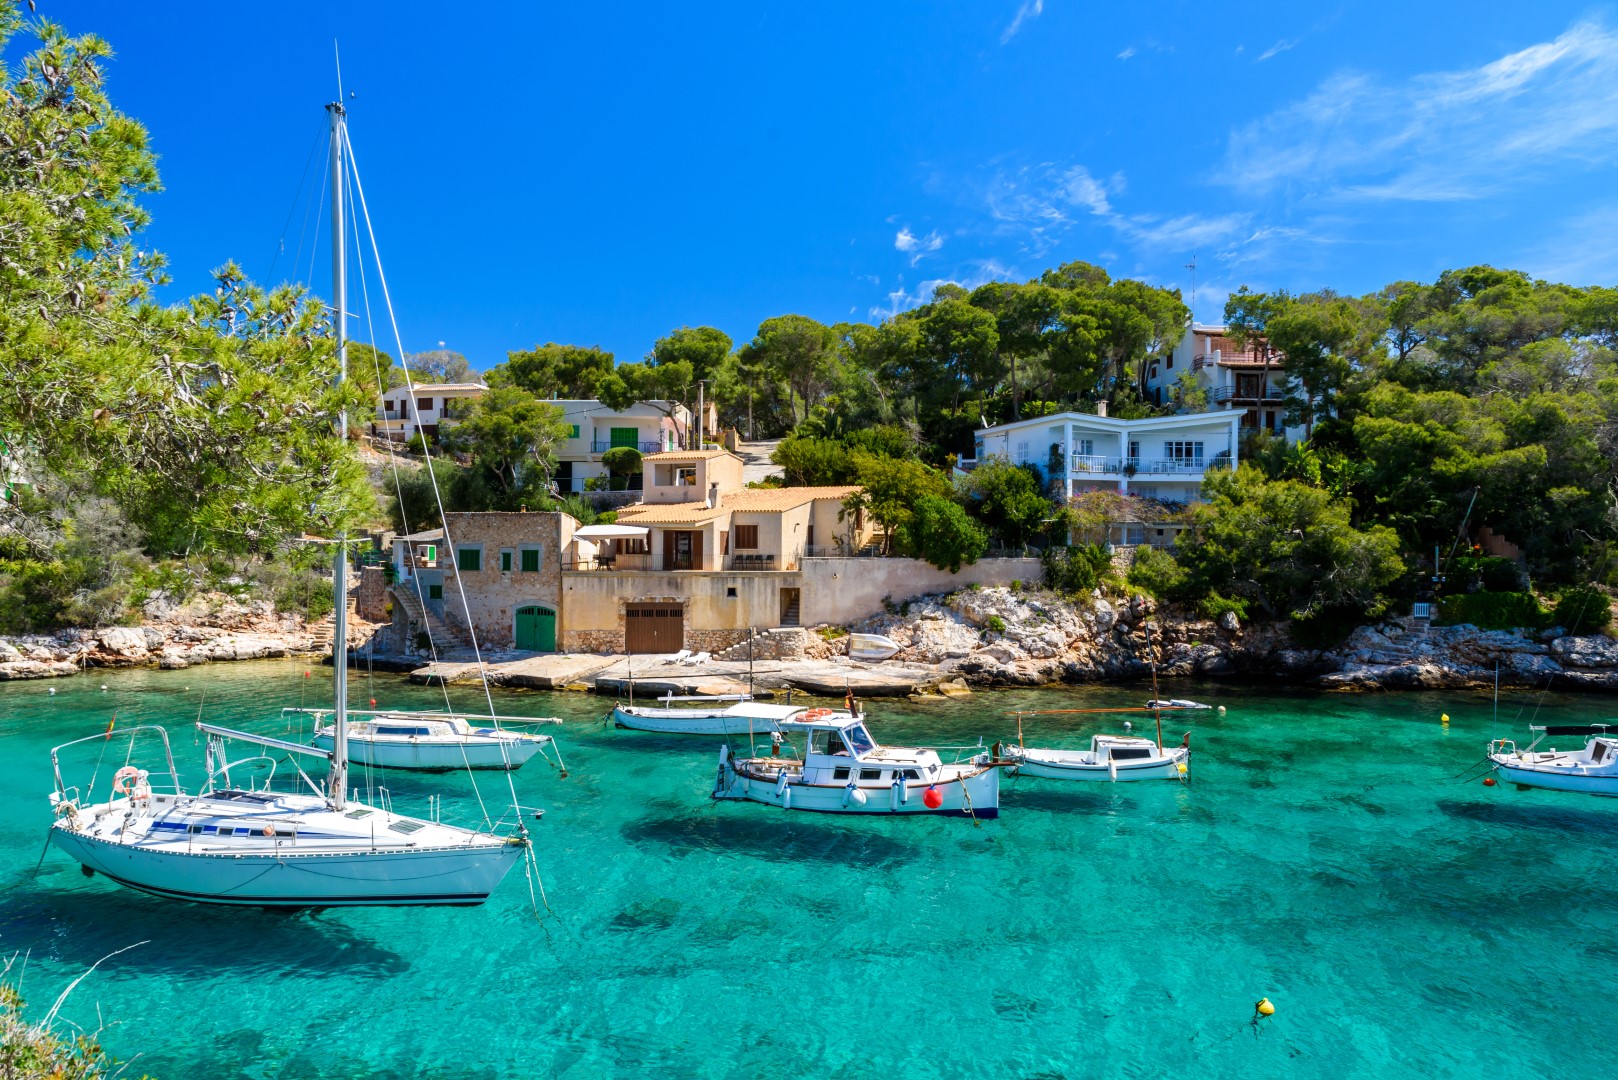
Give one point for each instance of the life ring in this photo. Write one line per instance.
(817, 714)
(123, 780)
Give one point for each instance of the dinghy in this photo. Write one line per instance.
(742, 718)
(1175, 703)
(1590, 770)
(841, 770)
(871, 648)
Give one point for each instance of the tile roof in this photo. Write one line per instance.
(688, 455)
(750, 500)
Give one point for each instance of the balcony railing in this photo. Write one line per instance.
(752, 561)
(1220, 394)
(1094, 463)
(1091, 465)
(646, 446)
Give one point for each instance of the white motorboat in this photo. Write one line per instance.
(230, 844)
(1175, 703)
(432, 742)
(871, 648)
(741, 718)
(841, 770)
(1110, 759)
(1590, 770)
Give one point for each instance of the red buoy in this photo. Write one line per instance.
(373, 703)
(932, 799)
(1488, 781)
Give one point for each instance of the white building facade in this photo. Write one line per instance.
(1249, 381)
(649, 426)
(1161, 457)
(403, 414)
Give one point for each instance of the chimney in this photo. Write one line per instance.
(1101, 408)
(713, 495)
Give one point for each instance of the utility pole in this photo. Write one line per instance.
(702, 412)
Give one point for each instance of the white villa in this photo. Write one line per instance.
(1161, 457)
(1247, 381)
(649, 426)
(402, 415)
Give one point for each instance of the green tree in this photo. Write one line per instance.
(889, 489)
(511, 438)
(809, 462)
(621, 463)
(1006, 499)
(440, 366)
(796, 352)
(940, 532)
(572, 372)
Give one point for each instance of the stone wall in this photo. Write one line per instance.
(494, 595)
(371, 595)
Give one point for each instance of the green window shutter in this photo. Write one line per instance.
(435, 592)
(505, 562)
(469, 560)
(626, 436)
(575, 434)
(530, 560)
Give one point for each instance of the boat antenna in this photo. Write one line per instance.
(337, 783)
(1157, 708)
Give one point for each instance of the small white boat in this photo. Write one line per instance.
(1590, 770)
(871, 648)
(841, 770)
(432, 742)
(1175, 703)
(1110, 759)
(741, 718)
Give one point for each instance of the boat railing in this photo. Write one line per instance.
(962, 753)
(129, 733)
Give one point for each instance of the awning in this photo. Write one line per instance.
(612, 532)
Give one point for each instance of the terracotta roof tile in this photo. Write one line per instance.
(687, 455)
(778, 499)
(689, 513)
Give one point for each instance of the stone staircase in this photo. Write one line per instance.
(782, 643)
(322, 631)
(444, 635)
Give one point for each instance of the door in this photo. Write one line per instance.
(654, 628)
(535, 628)
(682, 550)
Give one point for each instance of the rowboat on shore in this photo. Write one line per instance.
(871, 648)
(1590, 770)
(841, 770)
(718, 718)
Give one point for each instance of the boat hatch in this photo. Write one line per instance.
(407, 827)
(242, 796)
(1131, 753)
(363, 811)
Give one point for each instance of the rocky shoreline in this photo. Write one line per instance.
(981, 638)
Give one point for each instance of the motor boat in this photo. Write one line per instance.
(871, 648)
(842, 770)
(740, 718)
(432, 742)
(1175, 703)
(1592, 769)
(1110, 759)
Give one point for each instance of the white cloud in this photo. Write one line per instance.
(1275, 50)
(1441, 136)
(1030, 9)
(1129, 50)
(918, 247)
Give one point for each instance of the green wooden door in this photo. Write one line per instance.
(626, 436)
(536, 629)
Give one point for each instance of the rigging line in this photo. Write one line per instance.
(438, 498)
(318, 199)
(393, 460)
(297, 196)
(314, 245)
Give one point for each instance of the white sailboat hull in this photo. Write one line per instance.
(971, 794)
(1513, 770)
(690, 721)
(427, 754)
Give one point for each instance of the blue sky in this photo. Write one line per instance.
(603, 173)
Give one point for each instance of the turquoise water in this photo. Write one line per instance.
(1404, 923)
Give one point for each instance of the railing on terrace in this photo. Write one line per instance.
(1094, 463)
(1178, 466)
(1227, 393)
(645, 446)
(638, 561)
(754, 561)
(841, 551)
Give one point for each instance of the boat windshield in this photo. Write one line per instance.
(857, 739)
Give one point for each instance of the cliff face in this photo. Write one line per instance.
(997, 637)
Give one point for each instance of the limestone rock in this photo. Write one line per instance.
(1595, 651)
(122, 641)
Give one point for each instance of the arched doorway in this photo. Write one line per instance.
(535, 628)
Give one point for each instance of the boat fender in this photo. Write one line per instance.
(1221, 710)
(1112, 768)
(852, 794)
(1263, 1008)
(781, 784)
(124, 779)
(893, 795)
(932, 798)
(786, 797)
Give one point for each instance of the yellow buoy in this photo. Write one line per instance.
(1182, 768)
(1264, 1008)
(1444, 719)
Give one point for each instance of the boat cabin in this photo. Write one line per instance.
(839, 750)
(1123, 748)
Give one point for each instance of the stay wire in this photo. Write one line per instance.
(297, 197)
(449, 544)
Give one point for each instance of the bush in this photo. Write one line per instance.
(1488, 573)
(1214, 606)
(1493, 610)
(1157, 574)
(416, 444)
(38, 1050)
(1074, 570)
(940, 532)
(1583, 609)
(996, 624)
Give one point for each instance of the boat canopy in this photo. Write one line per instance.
(761, 711)
(611, 532)
(1584, 730)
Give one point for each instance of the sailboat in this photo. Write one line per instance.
(1591, 770)
(431, 741)
(242, 843)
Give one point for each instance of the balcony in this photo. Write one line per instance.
(1221, 394)
(751, 561)
(1094, 465)
(1086, 464)
(645, 446)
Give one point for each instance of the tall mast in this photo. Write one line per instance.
(339, 637)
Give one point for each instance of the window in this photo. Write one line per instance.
(469, 560)
(1184, 453)
(1085, 448)
(1169, 360)
(1134, 450)
(530, 560)
(685, 476)
(575, 432)
(870, 774)
(730, 592)
(435, 591)
(840, 773)
(859, 739)
(505, 560)
(747, 537)
(425, 404)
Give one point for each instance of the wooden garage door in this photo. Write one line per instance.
(654, 628)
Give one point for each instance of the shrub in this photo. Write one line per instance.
(416, 444)
(1583, 609)
(1214, 606)
(1157, 573)
(996, 624)
(1492, 610)
(941, 533)
(1484, 572)
(1016, 586)
(37, 1049)
(1074, 570)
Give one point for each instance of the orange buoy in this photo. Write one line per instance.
(1488, 781)
(373, 703)
(933, 799)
